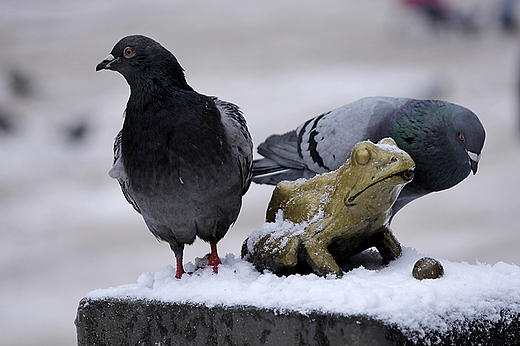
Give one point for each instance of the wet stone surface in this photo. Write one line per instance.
(134, 322)
(148, 322)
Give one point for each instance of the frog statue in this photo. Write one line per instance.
(325, 220)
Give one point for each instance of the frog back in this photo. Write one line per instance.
(302, 199)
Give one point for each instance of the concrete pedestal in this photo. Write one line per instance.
(150, 322)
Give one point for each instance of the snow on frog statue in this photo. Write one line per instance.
(315, 225)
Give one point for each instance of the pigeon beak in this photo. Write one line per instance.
(105, 64)
(473, 161)
(474, 166)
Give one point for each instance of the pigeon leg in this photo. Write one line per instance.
(180, 269)
(213, 259)
(178, 250)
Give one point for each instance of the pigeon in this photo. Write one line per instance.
(79, 130)
(21, 84)
(6, 123)
(444, 139)
(183, 159)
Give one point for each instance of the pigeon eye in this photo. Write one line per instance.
(461, 137)
(129, 52)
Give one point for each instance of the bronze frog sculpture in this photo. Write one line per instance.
(333, 216)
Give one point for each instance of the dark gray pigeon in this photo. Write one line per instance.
(445, 141)
(183, 159)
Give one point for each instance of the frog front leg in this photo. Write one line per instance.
(388, 245)
(314, 243)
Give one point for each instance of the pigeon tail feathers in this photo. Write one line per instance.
(281, 160)
(282, 149)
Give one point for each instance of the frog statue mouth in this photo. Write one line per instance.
(406, 175)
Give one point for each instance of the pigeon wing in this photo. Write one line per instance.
(326, 141)
(118, 172)
(239, 138)
(323, 143)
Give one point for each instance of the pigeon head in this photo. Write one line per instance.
(469, 133)
(444, 139)
(144, 61)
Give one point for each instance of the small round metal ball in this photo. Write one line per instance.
(427, 268)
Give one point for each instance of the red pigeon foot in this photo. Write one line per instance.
(213, 259)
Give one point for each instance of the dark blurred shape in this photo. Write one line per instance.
(78, 131)
(6, 122)
(441, 14)
(507, 16)
(20, 83)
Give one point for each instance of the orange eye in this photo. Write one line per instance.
(461, 137)
(129, 52)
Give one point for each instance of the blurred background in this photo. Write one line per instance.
(65, 228)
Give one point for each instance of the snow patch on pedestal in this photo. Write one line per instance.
(388, 293)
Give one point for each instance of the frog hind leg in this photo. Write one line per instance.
(319, 258)
(277, 253)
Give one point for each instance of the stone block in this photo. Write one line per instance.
(149, 322)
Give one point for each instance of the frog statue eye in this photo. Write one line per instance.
(362, 156)
(129, 52)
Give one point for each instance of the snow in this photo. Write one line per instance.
(280, 229)
(387, 293)
(390, 148)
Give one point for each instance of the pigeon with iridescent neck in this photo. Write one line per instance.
(444, 139)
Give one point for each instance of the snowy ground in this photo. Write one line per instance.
(65, 228)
